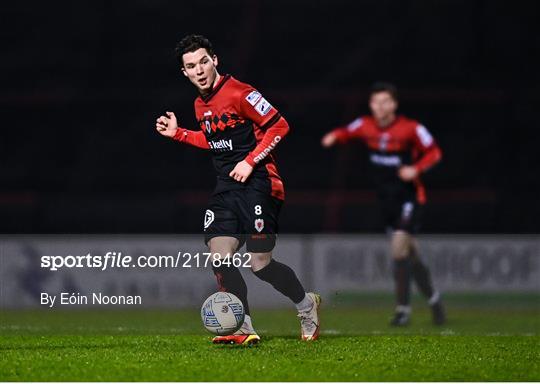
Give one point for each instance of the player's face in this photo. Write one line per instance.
(200, 69)
(382, 105)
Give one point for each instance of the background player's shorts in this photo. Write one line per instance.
(248, 215)
(402, 215)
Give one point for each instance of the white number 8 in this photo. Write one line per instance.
(258, 209)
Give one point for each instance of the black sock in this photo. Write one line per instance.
(402, 278)
(230, 279)
(422, 278)
(282, 279)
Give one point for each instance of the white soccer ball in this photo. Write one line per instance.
(222, 313)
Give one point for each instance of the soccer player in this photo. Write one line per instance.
(241, 129)
(400, 149)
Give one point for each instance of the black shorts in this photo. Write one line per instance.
(402, 215)
(248, 215)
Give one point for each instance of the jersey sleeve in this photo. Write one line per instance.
(194, 138)
(253, 106)
(351, 131)
(272, 136)
(429, 151)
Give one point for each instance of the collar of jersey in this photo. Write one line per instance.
(398, 117)
(216, 89)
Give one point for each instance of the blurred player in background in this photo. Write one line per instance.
(400, 149)
(241, 129)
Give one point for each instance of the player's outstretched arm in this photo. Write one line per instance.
(329, 140)
(343, 135)
(168, 126)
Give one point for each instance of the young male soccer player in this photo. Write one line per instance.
(241, 129)
(401, 150)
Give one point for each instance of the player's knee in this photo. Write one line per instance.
(260, 260)
(401, 245)
(222, 246)
(400, 253)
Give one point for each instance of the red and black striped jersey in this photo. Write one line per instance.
(404, 142)
(237, 123)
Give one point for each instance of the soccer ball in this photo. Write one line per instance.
(222, 313)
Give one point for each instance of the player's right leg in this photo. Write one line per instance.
(397, 215)
(400, 249)
(222, 237)
(230, 280)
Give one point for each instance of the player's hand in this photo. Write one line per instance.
(408, 173)
(167, 125)
(241, 171)
(328, 140)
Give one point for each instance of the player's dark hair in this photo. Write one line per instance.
(191, 43)
(384, 87)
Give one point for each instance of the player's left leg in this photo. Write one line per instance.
(420, 271)
(260, 216)
(422, 278)
(285, 281)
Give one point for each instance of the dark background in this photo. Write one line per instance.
(82, 84)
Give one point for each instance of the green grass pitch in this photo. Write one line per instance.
(487, 338)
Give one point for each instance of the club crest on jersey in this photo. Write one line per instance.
(253, 97)
(383, 141)
(208, 126)
(259, 225)
(208, 218)
(263, 107)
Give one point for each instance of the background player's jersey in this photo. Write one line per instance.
(404, 142)
(238, 123)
